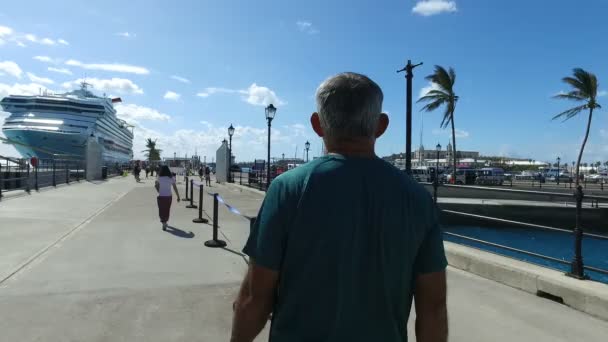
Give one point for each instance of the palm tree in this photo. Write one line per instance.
(584, 89)
(584, 86)
(443, 96)
(151, 151)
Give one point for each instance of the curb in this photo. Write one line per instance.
(583, 295)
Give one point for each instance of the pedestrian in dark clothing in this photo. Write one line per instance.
(336, 254)
(207, 176)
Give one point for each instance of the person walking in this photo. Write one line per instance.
(201, 173)
(207, 176)
(147, 171)
(163, 184)
(351, 250)
(136, 171)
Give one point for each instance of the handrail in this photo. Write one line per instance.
(535, 192)
(532, 225)
(545, 257)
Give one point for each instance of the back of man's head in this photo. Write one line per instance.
(349, 105)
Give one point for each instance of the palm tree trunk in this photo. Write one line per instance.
(580, 153)
(453, 148)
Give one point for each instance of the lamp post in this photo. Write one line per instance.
(270, 112)
(558, 160)
(307, 146)
(409, 75)
(230, 133)
(436, 180)
(174, 157)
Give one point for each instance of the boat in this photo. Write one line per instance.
(50, 126)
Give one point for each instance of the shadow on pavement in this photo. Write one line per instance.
(179, 233)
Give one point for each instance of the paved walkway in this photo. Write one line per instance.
(90, 263)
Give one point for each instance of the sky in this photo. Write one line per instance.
(186, 70)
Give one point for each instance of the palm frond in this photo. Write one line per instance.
(576, 84)
(573, 95)
(568, 114)
(428, 98)
(432, 106)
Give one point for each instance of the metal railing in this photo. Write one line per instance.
(578, 268)
(20, 174)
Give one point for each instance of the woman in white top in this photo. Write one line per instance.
(163, 185)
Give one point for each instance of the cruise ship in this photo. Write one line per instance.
(59, 126)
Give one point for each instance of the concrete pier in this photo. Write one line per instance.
(89, 262)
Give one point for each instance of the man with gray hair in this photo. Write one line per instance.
(342, 244)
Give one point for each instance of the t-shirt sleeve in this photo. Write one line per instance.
(431, 254)
(266, 242)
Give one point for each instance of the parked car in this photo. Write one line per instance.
(463, 176)
(597, 178)
(490, 176)
(421, 174)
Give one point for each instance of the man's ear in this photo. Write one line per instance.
(382, 125)
(315, 122)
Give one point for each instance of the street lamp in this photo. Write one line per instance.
(230, 133)
(307, 146)
(270, 112)
(436, 180)
(558, 160)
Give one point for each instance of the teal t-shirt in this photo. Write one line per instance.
(348, 237)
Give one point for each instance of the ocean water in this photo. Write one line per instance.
(559, 245)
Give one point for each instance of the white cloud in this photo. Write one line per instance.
(37, 79)
(47, 41)
(5, 31)
(117, 85)
(44, 59)
(431, 7)
(430, 86)
(132, 113)
(448, 132)
(255, 95)
(604, 133)
(20, 89)
(127, 34)
(261, 96)
(170, 95)
(602, 93)
(11, 68)
(60, 70)
(116, 67)
(248, 142)
(180, 79)
(306, 27)
(8, 34)
(214, 90)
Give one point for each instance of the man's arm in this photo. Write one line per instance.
(254, 303)
(431, 308)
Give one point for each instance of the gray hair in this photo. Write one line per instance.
(349, 105)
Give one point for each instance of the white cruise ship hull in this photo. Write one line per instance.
(50, 126)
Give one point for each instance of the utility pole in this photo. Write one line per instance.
(409, 67)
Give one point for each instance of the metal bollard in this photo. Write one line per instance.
(186, 181)
(241, 178)
(191, 205)
(54, 178)
(27, 182)
(215, 242)
(36, 177)
(200, 218)
(67, 174)
(1, 181)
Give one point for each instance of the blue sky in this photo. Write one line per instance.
(187, 69)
